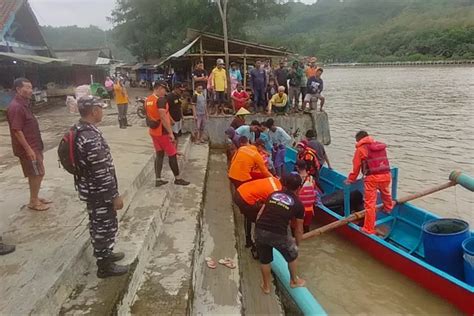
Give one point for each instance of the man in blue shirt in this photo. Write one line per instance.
(258, 84)
(280, 139)
(249, 131)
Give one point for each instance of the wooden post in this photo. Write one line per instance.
(245, 68)
(223, 12)
(201, 50)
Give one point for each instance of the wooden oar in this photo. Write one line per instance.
(455, 177)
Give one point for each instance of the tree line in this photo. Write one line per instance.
(332, 30)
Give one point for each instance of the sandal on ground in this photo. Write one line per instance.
(38, 208)
(211, 263)
(263, 290)
(228, 263)
(45, 201)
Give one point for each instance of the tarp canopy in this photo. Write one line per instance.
(40, 60)
(179, 53)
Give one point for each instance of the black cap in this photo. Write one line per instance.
(161, 83)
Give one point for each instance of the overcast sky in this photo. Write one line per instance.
(77, 12)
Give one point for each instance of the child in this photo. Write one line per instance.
(200, 113)
(307, 193)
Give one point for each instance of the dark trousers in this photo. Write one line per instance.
(250, 213)
(103, 227)
(259, 98)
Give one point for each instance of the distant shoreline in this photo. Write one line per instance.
(405, 63)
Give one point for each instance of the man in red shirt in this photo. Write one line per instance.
(26, 141)
(240, 98)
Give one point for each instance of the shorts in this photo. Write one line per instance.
(309, 96)
(177, 126)
(201, 120)
(163, 143)
(266, 241)
(32, 168)
(249, 211)
(220, 96)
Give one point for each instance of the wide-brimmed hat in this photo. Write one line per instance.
(242, 111)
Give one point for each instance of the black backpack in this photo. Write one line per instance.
(67, 152)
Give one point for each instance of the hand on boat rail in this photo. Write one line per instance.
(456, 177)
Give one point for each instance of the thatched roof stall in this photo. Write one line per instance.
(209, 46)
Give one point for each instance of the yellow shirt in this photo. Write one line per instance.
(279, 101)
(121, 96)
(219, 79)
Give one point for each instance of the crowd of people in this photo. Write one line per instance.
(280, 199)
(274, 196)
(282, 90)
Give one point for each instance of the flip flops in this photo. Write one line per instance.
(211, 264)
(38, 208)
(227, 262)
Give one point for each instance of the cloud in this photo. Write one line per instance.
(73, 12)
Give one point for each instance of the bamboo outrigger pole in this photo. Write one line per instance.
(456, 177)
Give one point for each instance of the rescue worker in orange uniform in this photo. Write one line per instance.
(250, 197)
(370, 157)
(246, 160)
(158, 120)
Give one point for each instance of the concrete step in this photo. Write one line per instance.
(138, 228)
(217, 291)
(50, 245)
(167, 287)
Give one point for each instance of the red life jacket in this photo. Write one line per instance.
(377, 160)
(311, 158)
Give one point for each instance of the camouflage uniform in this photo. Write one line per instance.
(98, 187)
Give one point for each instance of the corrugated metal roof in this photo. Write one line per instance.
(103, 61)
(180, 52)
(34, 59)
(80, 57)
(8, 9)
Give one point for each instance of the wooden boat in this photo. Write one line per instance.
(401, 248)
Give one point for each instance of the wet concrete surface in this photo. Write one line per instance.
(50, 244)
(167, 283)
(217, 291)
(54, 122)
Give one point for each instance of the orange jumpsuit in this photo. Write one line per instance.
(372, 183)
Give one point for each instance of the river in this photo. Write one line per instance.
(426, 116)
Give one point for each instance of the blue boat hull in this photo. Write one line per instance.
(402, 246)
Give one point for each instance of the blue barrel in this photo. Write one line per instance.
(442, 241)
(468, 248)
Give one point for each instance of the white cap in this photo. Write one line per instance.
(220, 61)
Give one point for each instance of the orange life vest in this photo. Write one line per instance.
(153, 113)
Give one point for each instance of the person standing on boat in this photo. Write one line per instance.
(370, 157)
(271, 230)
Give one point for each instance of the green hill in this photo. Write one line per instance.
(373, 30)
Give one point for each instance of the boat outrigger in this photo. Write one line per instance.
(401, 245)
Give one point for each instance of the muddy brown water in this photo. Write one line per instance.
(426, 116)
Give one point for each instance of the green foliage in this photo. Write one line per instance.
(152, 29)
(373, 30)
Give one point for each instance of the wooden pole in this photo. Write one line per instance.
(245, 68)
(361, 214)
(222, 5)
(201, 51)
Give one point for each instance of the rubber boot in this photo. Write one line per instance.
(116, 256)
(121, 123)
(125, 120)
(106, 268)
